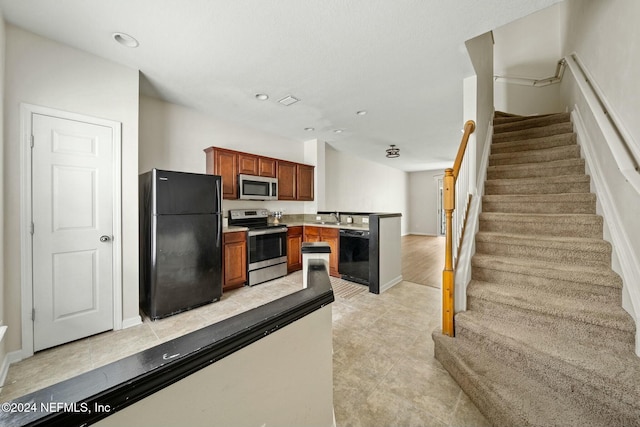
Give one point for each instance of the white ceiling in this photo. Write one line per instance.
(402, 61)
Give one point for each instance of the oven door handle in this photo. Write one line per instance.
(263, 232)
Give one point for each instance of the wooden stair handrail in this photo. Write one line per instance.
(449, 203)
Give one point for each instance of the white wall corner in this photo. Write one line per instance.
(391, 283)
(4, 364)
(131, 321)
(9, 359)
(629, 265)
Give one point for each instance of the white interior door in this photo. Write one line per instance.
(72, 191)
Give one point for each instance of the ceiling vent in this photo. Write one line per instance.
(288, 100)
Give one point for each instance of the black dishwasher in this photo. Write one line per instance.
(354, 255)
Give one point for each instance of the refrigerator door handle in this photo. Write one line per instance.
(219, 195)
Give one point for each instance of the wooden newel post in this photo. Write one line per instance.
(447, 274)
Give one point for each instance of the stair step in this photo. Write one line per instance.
(535, 156)
(569, 250)
(538, 132)
(534, 144)
(539, 185)
(532, 170)
(503, 393)
(572, 317)
(594, 374)
(533, 122)
(559, 225)
(506, 114)
(595, 283)
(581, 203)
(502, 117)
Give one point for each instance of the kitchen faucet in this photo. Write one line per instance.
(337, 215)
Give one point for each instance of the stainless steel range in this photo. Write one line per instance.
(267, 244)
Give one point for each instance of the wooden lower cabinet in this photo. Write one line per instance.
(234, 271)
(330, 236)
(294, 249)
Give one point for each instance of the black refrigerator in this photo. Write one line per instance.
(180, 241)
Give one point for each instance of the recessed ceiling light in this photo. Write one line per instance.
(309, 129)
(262, 96)
(361, 112)
(337, 130)
(125, 40)
(288, 100)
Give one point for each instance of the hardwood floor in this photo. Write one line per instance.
(423, 259)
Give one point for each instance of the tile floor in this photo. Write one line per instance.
(384, 370)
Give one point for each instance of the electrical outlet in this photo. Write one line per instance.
(365, 220)
(318, 218)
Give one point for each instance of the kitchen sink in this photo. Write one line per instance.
(327, 223)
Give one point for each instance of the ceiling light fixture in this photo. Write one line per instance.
(288, 100)
(125, 40)
(309, 129)
(393, 152)
(361, 112)
(337, 131)
(262, 96)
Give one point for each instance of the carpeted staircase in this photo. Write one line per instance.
(544, 340)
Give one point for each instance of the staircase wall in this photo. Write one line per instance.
(618, 197)
(604, 36)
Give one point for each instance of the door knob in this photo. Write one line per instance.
(105, 238)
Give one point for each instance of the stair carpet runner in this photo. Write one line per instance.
(544, 340)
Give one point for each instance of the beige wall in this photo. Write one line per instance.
(481, 54)
(3, 321)
(45, 73)
(173, 137)
(354, 184)
(606, 36)
(284, 379)
(531, 48)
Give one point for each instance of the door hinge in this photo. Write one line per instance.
(33, 314)
(32, 141)
(32, 229)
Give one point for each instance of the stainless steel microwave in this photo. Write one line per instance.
(257, 187)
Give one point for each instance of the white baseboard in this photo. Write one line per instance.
(131, 321)
(390, 283)
(9, 358)
(415, 233)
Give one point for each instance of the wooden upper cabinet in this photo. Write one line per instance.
(305, 182)
(267, 167)
(287, 180)
(295, 180)
(248, 164)
(224, 163)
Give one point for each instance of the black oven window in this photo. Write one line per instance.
(267, 246)
(255, 188)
